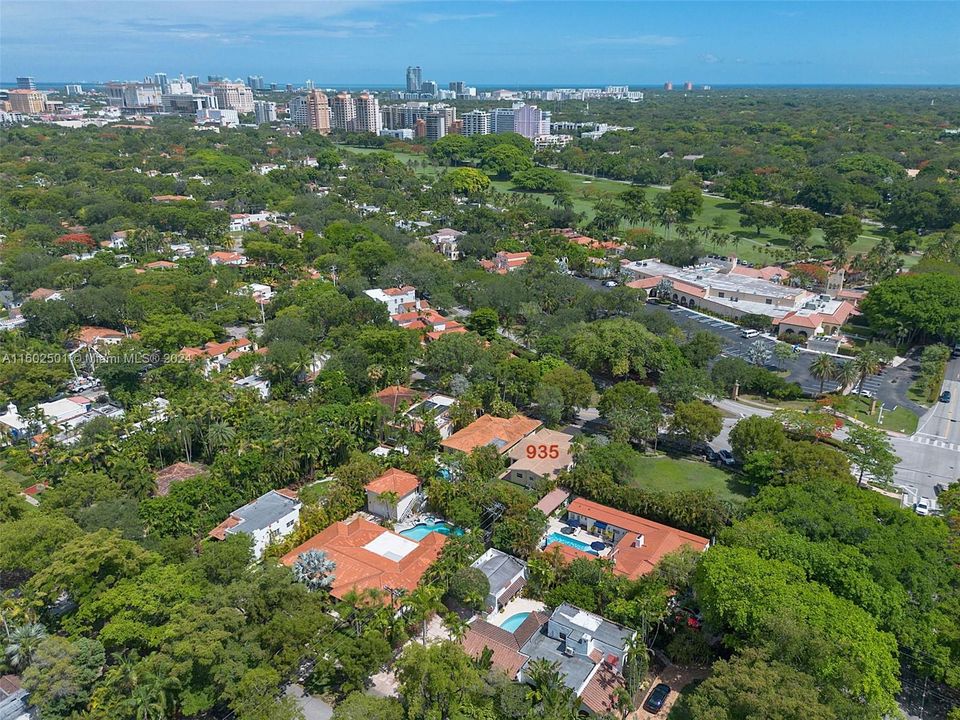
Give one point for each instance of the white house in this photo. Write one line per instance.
(270, 517)
(445, 242)
(397, 299)
(506, 574)
(222, 257)
(405, 489)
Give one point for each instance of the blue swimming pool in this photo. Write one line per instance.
(570, 542)
(514, 621)
(419, 532)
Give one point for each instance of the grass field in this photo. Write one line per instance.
(899, 420)
(669, 475)
(717, 212)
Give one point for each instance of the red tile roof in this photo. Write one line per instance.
(394, 481)
(395, 396)
(360, 569)
(90, 335)
(600, 693)
(552, 500)
(504, 433)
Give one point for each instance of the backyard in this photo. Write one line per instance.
(669, 475)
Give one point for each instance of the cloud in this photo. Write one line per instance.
(432, 18)
(711, 59)
(643, 40)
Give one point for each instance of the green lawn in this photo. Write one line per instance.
(769, 247)
(899, 420)
(669, 475)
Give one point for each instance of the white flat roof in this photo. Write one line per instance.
(391, 546)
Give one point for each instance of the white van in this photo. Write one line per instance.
(749, 333)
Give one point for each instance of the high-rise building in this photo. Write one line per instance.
(343, 112)
(194, 81)
(428, 87)
(688, 85)
(134, 95)
(668, 85)
(414, 75)
(403, 116)
(161, 80)
(180, 86)
(28, 102)
(255, 82)
(436, 125)
(420, 128)
(233, 96)
(458, 86)
(367, 109)
(26, 83)
(501, 120)
(318, 112)
(531, 122)
(265, 112)
(476, 122)
(188, 103)
(71, 90)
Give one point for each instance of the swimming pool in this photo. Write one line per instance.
(570, 542)
(419, 532)
(514, 621)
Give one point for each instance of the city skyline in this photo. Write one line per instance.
(509, 44)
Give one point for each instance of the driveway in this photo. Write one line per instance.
(677, 678)
(313, 707)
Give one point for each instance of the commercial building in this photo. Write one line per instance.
(369, 557)
(134, 96)
(26, 83)
(188, 104)
(233, 96)
(399, 133)
(269, 518)
(161, 80)
(367, 110)
(27, 102)
(180, 86)
(218, 116)
(502, 120)
(343, 112)
(265, 112)
(476, 122)
(414, 79)
(531, 122)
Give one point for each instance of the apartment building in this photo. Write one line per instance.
(436, 125)
(233, 96)
(502, 120)
(343, 112)
(317, 112)
(28, 102)
(265, 112)
(531, 122)
(367, 109)
(476, 122)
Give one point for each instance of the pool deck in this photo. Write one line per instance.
(555, 526)
(417, 519)
(517, 605)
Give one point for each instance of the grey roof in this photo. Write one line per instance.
(262, 512)
(574, 669)
(597, 627)
(499, 568)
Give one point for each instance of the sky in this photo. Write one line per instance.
(490, 43)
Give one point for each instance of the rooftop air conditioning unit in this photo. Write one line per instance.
(568, 651)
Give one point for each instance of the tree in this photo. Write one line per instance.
(797, 224)
(751, 685)
(696, 422)
(484, 321)
(925, 304)
(870, 450)
(549, 693)
(22, 643)
(360, 706)
(703, 347)
(467, 181)
(867, 363)
(576, 387)
(436, 681)
(469, 588)
(758, 353)
(632, 411)
(823, 368)
(755, 433)
(758, 216)
(504, 160)
(682, 383)
(452, 149)
(839, 233)
(62, 675)
(782, 352)
(422, 604)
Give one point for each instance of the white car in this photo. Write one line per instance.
(610, 283)
(866, 393)
(749, 333)
(922, 507)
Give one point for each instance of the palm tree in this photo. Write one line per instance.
(846, 374)
(823, 368)
(22, 644)
(315, 570)
(422, 604)
(866, 363)
(218, 435)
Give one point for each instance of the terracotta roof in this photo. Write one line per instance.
(504, 645)
(542, 466)
(160, 265)
(399, 290)
(359, 568)
(569, 554)
(90, 335)
(552, 500)
(645, 283)
(600, 693)
(764, 273)
(394, 481)
(503, 433)
(658, 539)
(220, 531)
(175, 473)
(42, 294)
(396, 396)
(812, 320)
(225, 256)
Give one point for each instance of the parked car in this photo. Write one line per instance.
(956, 351)
(657, 697)
(749, 333)
(922, 507)
(610, 283)
(711, 454)
(939, 488)
(725, 457)
(865, 393)
(945, 396)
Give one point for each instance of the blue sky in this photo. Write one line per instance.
(344, 43)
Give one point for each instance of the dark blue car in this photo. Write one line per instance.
(657, 697)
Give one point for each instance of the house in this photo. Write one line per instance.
(13, 699)
(117, 241)
(45, 294)
(589, 650)
(637, 544)
(397, 299)
(91, 336)
(445, 242)
(552, 501)
(506, 575)
(12, 425)
(504, 262)
(160, 265)
(270, 517)
(369, 557)
(437, 407)
(501, 433)
(538, 457)
(429, 322)
(217, 355)
(393, 494)
(223, 257)
(165, 477)
(396, 397)
(254, 382)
